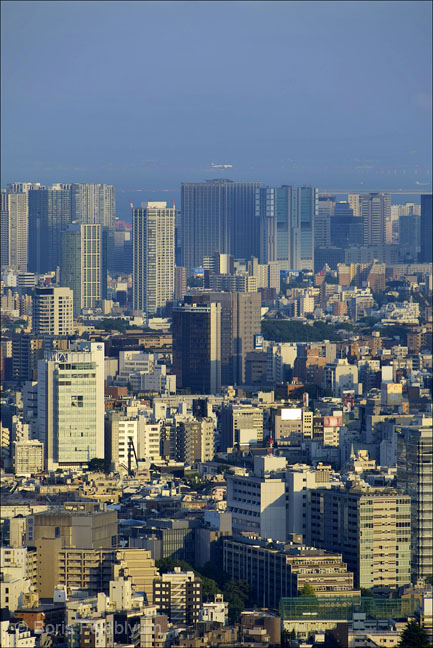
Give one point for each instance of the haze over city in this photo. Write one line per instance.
(147, 95)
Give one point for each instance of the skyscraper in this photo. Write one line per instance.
(308, 206)
(266, 213)
(415, 478)
(93, 204)
(4, 231)
(17, 222)
(369, 526)
(375, 209)
(426, 229)
(52, 311)
(71, 405)
(287, 219)
(280, 227)
(197, 347)
(240, 323)
(346, 229)
(153, 256)
(219, 216)
(353, 200)
(322, 227)
(84, 264)
(409, 226)
(49, 214)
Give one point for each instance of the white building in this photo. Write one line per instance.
(149, 441)
(122, 430)
(144, 373)
(93, 203)
(15, 635)
(71, 405)
(340, 376)
(257, 501)
(153, 256)
(300, 479)
(215, 612)
(53, 311)
(12, 589)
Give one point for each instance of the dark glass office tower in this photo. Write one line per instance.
(280, 226)
(346, 229)
(197, 347)
(409, 236)
(308, 206)
(426, 228)
(219, 216)
(240, 323)
(49, 213)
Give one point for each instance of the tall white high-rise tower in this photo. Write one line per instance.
(153, 256)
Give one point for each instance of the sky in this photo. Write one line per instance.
(146, 95)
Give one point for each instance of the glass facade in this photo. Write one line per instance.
(75, 412)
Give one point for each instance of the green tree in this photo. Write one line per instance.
(168, 564)
(99, 465)
(307, 590)
(236, 593)
(209, 588)
(414, 636)
(194, 282)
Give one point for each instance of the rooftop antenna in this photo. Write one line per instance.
(271, 442)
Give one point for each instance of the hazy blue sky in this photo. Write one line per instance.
(148, 94)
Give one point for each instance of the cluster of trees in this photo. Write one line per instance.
(99, 465)
(284, 330)
(116, 324)
(214, 581)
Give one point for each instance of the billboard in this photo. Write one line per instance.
(348, 400)
(332, 421)
(258, 341)
(291, 414)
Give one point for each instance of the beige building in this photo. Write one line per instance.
(53, 311)
(81, 525)
(92, 569)
(28, 457)
(195, 440)
(369, 526)
(18, 220)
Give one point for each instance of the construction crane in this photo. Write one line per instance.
(131, 451)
